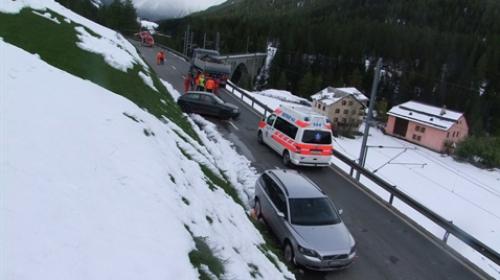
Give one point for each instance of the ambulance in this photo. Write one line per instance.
(298, 134)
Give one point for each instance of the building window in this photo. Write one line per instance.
(448, 135)
(346, 112)
(416, 137)
(350, 103)
(323, 107)
(344, 102)
(335, 120)
(337, 111)
(422, 129)
(417, 128)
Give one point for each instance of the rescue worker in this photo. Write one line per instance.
(158, 58)
(197, 81)
(187, 83)
(201, 84)
(162, 57)
(210, 84)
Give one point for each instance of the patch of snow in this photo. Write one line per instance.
(48, 16)
(86, 193)
(149, 25)
(147, 80)
(467, 195)
(173, 92)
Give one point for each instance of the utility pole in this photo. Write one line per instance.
(191, 42)
(204, 39)
(373, 96)
(217, 41)
(186, 40)
(248, 42)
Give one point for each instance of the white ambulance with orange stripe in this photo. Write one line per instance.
(301, 136)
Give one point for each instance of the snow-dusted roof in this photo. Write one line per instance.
(331, 95)
(426, 114)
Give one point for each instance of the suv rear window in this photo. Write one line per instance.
(317, 137)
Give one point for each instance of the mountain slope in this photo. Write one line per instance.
(437, 52)
(102, 177)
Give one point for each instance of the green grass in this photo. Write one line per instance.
(223, 183)
(204, 255)
(56, 45)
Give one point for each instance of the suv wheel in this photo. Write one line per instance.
(288, 253)
(257, 209)
(186, 108)
(259, 138)
(286, 158)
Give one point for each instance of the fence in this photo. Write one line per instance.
(449, 227)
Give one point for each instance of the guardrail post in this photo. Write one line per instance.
(391, 198)
(447, 234)
(352, 171)
(253, 102)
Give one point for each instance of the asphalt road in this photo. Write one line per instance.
(388, 246)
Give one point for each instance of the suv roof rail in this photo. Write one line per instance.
(314, 184)
(279, 181)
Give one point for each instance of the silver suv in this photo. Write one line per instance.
(304, 220)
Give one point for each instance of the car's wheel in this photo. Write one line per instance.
(257, 209)
(186, 108)
(288, 253)
(259, 137)
(286, 158)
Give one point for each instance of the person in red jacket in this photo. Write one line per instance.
(158, 58)
(210, 84)
(187, 83)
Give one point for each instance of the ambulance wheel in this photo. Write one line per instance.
(286, 158)
(259, 137)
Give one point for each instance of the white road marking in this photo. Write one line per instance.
(173, 67)
(233, 125)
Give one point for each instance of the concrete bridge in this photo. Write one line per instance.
(244, 67)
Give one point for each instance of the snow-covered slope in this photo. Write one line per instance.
(104, 190)
(93, 186)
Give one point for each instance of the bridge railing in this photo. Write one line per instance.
(450, 228)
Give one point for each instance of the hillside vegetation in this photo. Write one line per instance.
(440, 52)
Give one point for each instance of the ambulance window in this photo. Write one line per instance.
(287, 128)
(270, 119)
(317, 137)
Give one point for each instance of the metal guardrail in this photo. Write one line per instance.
(448, 226)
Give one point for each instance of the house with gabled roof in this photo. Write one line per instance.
(433, 127)
(343, 106)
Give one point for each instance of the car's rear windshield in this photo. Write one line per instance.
(313, 212)
(317, 137)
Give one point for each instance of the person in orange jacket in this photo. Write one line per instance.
(210, 84)
(197, 81)
(187, 83)
(158, 58)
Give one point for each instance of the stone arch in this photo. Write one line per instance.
(241, 76)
